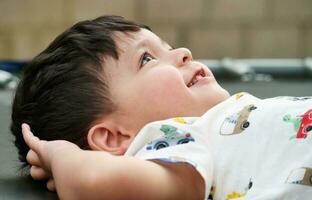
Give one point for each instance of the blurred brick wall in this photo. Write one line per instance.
(210, 28)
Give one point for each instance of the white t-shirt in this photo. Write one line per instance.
(244, 147)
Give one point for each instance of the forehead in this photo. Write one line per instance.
(126, 41)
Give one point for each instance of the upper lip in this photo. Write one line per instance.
(193, 80)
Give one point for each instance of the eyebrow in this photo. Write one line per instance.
(163, 42)
(143, 42)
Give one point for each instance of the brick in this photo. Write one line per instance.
(5, 47)
(23, 45)
(31, 12)
(292, 10)
(239, 10)
(44, 37)
(26, 43)
(90, 9)
(274, 42)
(173, 10)
(215, 43)
(308, 43)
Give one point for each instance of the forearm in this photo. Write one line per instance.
(97, 175)
(76, 172)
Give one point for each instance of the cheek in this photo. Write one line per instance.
(154, 96)
(163, 85)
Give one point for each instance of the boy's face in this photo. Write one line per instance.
(151, 81)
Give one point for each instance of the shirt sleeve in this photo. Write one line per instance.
(175, 141)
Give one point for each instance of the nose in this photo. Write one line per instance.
(181, 56)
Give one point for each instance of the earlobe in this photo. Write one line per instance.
(100, 138)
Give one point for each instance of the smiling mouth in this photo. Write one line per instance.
(200, 74)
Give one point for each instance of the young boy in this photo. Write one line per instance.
(101, 81)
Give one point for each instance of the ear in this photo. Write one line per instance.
(101, 137)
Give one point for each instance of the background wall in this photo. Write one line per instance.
(210, 28)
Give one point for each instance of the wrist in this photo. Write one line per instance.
(63, 154)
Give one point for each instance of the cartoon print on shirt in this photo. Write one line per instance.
(185, 120)
(238, 122)
(235, 195)
(239, 95)
(212, 192)
(301, 98)
(171, 136)
(302, 124)
(290, 98)
(300, 176)
(180, 120)
(170, 131)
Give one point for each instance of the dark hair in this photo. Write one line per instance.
(63, 90)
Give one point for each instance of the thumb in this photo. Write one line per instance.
(31, 140)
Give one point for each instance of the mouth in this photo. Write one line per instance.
(199, 75)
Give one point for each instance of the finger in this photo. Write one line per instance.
(26, 127)
(51, 185)
(32, 158)
(39, 173)
(31, 140)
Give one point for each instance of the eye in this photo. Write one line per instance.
(146, 57)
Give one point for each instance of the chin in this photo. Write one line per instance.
(222, 96)
(215, 99)
(226, 94)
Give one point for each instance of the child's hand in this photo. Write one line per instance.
(41, 154)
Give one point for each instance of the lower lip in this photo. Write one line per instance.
(203, 81)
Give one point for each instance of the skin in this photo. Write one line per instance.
(151, 89)
(77, 174)
(159, 85)
(148, 82)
